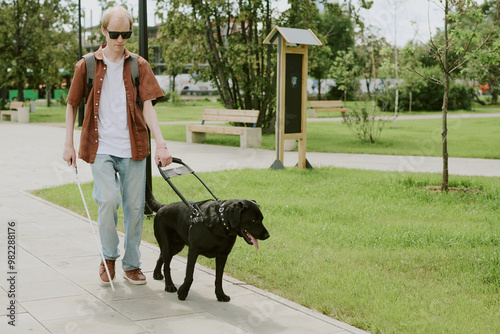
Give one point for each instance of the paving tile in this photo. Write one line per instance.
(26, 259)
(124, 290)
(109, 323)
(5, 302)
(204, 286)
(29, 275)
(164, 305)
(25, 323)
(66, 307)
(82, 270)
(189, 324)
(287, 322)
(258, 314)
(45, 289)
(58, 247)
(6, 215)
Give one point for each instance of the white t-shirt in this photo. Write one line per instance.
(114, 137)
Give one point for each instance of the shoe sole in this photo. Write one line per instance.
(131, 281)
(107, 283)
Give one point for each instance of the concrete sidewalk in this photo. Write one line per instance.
(56, 260)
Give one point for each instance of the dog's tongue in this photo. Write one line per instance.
(254, 241)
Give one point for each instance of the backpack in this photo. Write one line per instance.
(134, 70)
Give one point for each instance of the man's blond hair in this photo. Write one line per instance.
(116, 11)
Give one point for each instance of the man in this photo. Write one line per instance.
(115, 141)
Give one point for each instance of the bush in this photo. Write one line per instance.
(62, 99)
(175, 97)
(166, 97)
(353, 90)
(427, 96)
(460, 97)
(365, 125)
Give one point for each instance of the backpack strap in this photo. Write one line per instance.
(134, 70)
(90, 64)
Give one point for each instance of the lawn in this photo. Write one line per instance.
(377, 250)
(167, 112)
(467, 138)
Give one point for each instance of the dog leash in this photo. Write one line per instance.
(93, 230)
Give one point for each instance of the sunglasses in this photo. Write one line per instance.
(116, 34)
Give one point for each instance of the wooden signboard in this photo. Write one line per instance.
(291, 97)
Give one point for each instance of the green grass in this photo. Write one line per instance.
(467, 138)
(54, 114)
(184, 111)
(374, 249)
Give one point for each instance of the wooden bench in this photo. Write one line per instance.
(12, 112)
(326, 106)
(249, 136)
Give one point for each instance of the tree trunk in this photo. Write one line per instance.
(478, 100)
(444, 134)
(49, 90)
(411, 97)
(396, 102)
(494, 96)
(20, 90)
(319, 89)
(218, 68)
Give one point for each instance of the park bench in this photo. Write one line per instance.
(326, 106)
(12, 112)
(249, 136)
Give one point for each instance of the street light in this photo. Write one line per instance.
(143, 52)
(81, 108)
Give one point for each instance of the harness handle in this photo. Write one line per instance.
(195, 216)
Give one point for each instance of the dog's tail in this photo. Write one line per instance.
(151, 201)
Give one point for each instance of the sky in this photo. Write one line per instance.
(427, 16)
(416, 19)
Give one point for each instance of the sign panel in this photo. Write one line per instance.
(293, 93)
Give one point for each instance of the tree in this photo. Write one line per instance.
(228, 36)
(459, 42)
(343, 69)
(177, 41)
(486, 67)
(411, 63)
(34, 38)
(336, 30)
(395, 5)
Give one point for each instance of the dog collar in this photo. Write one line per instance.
(224, 222)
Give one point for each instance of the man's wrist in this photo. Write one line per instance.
(161, 145)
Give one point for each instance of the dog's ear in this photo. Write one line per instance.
(234, 212)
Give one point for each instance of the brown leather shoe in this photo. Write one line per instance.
(103, 276)
(135, 276)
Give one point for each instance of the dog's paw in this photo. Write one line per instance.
(182, 293)
(157, 276)
(222, 297)
(170, 288)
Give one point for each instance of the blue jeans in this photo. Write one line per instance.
(114, 176)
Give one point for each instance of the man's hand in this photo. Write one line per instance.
(69, 155)
(163, 155)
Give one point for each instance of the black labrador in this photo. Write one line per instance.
(214, 237)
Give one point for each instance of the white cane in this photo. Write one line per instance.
(93, 230)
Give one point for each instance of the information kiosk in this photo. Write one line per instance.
(291, 92)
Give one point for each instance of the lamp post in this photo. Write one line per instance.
(143, 52)
(81, 108)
